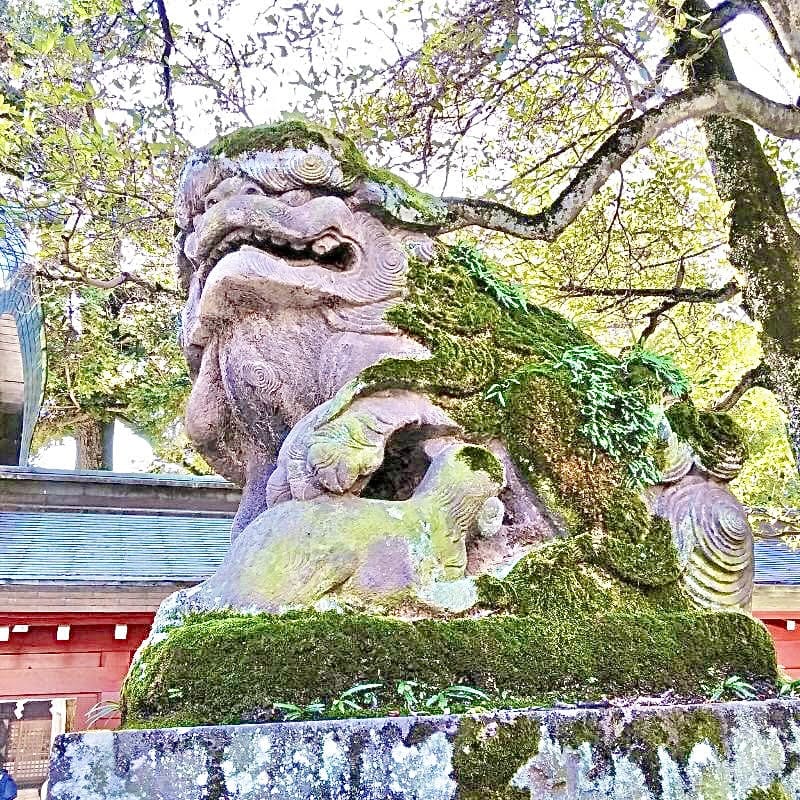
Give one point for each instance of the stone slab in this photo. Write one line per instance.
(721, 751)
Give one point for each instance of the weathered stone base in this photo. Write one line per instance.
(724, 751)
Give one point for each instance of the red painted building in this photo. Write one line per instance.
(85, 560)
(776, 600)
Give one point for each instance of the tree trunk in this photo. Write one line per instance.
(95, 440)
(764, 246)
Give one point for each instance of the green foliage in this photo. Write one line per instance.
(613, 395)
(374, 699)
(616, 416)
(734, 687)
(788, 687)
(537, 659)
(576, 420)
(477, 266)
(456, 699)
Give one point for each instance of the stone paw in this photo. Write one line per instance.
(342, 452)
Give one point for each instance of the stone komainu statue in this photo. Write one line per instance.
(411, 434)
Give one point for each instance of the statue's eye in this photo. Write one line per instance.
(252, 190)
(210, 201)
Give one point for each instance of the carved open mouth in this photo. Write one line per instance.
(329, 250)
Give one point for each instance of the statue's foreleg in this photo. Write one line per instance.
(337, 454)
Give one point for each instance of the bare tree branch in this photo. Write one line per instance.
(169, 45)
(676, 293)
(717, 98)
(757, 376)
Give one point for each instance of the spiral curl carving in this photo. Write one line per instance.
(261, 375)
(292, 168)
(713, 539)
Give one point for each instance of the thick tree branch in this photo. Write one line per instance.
(715, 20)
(785, 18)
(716, 98)
(676, 293)
(758, 376)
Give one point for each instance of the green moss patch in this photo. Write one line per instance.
(485, 761)
(676, 731)
(504, 368)
(572, 576)
(715, 437)
(228, 668)
(402, 200)
(774, 792)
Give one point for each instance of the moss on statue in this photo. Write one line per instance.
(302, 134)
(714, 436)
(479, 458)
(190, 677)
(569, 574)
(495, 369)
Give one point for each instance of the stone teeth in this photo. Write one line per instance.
(297, 245)
(324, 244)
(276, 240)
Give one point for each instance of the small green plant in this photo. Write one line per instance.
(666, 372)
(407, 691)
(102, 710)
(509, 295)
(616, 415)
(361, 697)
(498, 391)
(733, 687)
(455, 699)
(415, 698)
(788, 687)
(295, 713)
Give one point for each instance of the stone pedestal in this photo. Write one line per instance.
(721, 751)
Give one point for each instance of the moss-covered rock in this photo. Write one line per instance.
(229, 668)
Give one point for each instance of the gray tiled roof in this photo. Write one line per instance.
(777, 563)
(102, 548)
